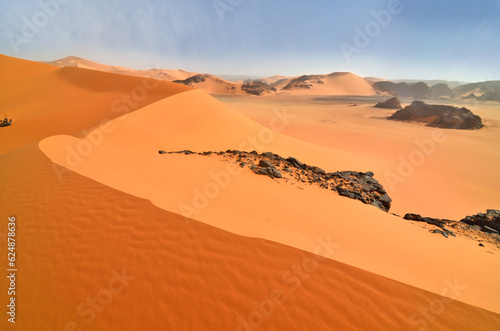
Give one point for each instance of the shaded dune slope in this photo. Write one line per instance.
(45, 100)
(185, 276)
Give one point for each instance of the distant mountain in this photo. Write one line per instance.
(418, 90)
(451, 84)
(492, 86)
(490, 96)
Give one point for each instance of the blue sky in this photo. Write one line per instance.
(454, 40)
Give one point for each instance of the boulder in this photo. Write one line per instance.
(486, 221)
(442, 116)
(392, 103)
(295, 163)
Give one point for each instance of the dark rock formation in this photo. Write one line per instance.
(186, 152)
(162, 152)
(441, 116)
(303, 82)
(352, 184)
(392, 103)
(442, 90)
(418, 90)
(193, 80)
(488, 222)
(434, 221)
(257, 88)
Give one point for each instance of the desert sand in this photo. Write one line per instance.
(190, 242)
(162, 74)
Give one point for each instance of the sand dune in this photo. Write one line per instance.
(204, 244)
(164, 74)
(338, 83)
(44, 100)
(456, 177)
(257, 206)
(78, 236)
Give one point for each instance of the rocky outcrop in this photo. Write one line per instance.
(257, 88)
(392, 103)
(351, 184)
(303, 82)
(442, 116)
(488, 222)
(483, 227)
(193, 80)
(434, 221)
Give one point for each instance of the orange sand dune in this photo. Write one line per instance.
(457, 176)
(93, 258)
(127, 159)
(338, 83)
(44, 100)
(164, 74)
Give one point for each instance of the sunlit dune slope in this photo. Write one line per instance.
(124, 155)
(43, 100)
(93, 258)
(164, 74)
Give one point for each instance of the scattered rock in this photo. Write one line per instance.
(434, 221)
(352, 184)
(6, 122)
(392, 103)
(162, 152)
(480, 244)
(440, 231)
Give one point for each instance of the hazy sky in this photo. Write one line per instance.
(423, 39)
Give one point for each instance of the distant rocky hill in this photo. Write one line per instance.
(303, 82)
(441, 116)
(417, 90)
(257, 88)
(478, 88)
